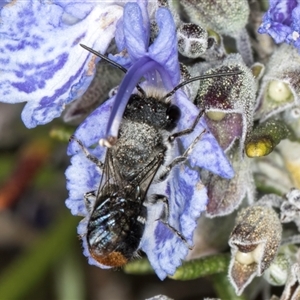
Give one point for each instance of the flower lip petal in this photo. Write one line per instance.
(213, 157)
(190, 197)
(89, 176)
(277, 31)
(77, 9)
(78, 183)
(281, 10)
(187, 199)
(48, 68)
(89, 132)
(164, 249)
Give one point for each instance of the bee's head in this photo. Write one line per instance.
(150, 110)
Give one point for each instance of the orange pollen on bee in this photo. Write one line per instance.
(113, 259)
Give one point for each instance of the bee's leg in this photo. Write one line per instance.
(180, 159)
(165, 216)
(89, 200)
(88, 155)
(188, 130)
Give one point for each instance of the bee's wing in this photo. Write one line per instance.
(111, 181)
(144, 178)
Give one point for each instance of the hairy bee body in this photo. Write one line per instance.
(117, 220)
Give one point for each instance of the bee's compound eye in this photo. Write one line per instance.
(173, 113)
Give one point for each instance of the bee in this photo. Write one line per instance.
(141, 155)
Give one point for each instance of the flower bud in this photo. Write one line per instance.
(224, 16)
(192, 40)
(254, 243)
(231, 100)
(265, 137)
(278, 272)
(280, 85)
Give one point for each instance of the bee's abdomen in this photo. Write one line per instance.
(114, 231)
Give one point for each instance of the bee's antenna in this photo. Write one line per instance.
(200, 77)
(112, 63)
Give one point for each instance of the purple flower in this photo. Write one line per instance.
(282, 22)
(158, 64)
(41, 60)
